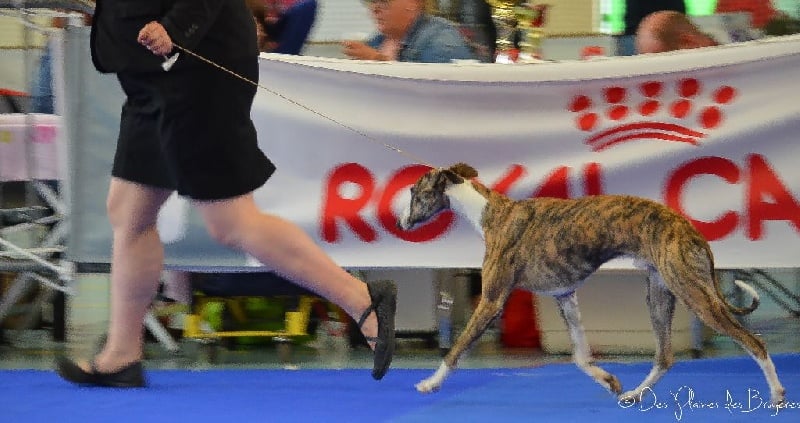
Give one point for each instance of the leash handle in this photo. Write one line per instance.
(169, 62)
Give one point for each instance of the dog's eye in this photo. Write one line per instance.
(413, 190)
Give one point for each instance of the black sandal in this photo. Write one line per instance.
(130, 376)
(384, 303)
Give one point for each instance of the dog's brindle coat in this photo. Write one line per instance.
(550, 246)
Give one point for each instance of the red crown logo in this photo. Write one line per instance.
(648, 111)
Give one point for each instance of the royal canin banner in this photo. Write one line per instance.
(712, 133)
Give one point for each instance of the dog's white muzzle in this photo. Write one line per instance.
(403, 222)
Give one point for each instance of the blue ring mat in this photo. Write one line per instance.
(706, 390)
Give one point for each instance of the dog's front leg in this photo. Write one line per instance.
(568, 304)
(485, 312)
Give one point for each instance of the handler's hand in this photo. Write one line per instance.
(359, 50)
(155, 38)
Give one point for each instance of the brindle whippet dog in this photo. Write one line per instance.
(550, 246)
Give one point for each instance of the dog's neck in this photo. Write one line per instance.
(468, 202)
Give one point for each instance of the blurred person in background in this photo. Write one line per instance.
(635, 12)
(474, 19)
(283, 26)
(669, 31)
(406, 33)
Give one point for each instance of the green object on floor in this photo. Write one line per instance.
(212, 313)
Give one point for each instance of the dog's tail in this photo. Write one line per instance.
(747, 288)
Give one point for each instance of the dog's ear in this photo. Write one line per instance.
(448, 176)
(464, 170)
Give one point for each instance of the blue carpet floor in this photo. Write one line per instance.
(709, 390)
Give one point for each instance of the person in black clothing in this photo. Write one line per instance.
(477, 25)
(635, 11)
(189, 130)
(516, 34)
(475, 22)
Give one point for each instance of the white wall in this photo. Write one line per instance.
(20, 48)
(338, 18)
(16, 67)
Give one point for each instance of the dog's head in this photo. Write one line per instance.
(428, 197)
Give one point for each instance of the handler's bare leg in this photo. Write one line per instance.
(288, 250)
(136, 263)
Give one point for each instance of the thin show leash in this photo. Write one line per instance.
(170, 61)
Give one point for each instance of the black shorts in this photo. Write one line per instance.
(191, 131)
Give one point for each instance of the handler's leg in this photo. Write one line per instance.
(288, 250)
(136, 263)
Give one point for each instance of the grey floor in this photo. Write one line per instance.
(87, 317)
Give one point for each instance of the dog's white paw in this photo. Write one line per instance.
(433, 383)
(630, 397)
(428, 386)
(779, 397)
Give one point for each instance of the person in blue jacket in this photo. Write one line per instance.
(406, 33)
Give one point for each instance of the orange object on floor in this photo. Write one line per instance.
(519, 327)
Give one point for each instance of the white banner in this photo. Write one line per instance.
(712, 133)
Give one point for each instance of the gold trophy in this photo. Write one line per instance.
(519, 28)
(506, 21)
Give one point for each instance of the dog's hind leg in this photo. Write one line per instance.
(661, 303)
(488, 308)
(568, 305)
(701, 298)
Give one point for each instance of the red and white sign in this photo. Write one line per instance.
(712, 133)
